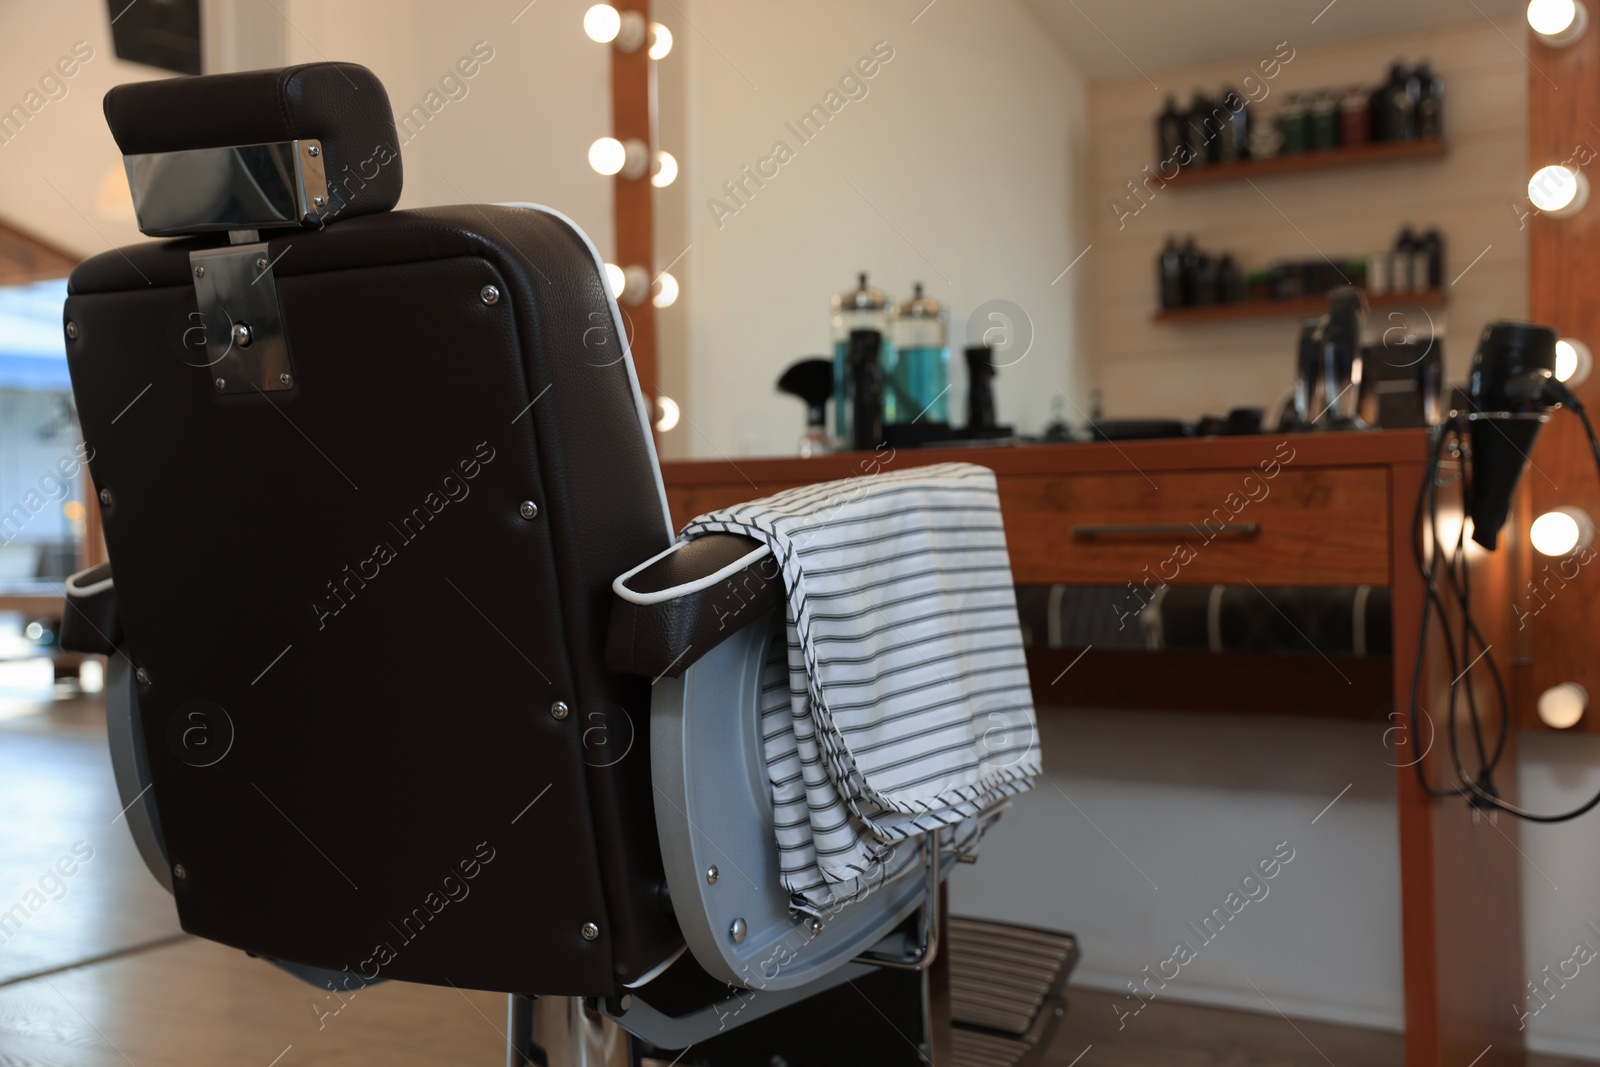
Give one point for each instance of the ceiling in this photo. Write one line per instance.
(1108, 38)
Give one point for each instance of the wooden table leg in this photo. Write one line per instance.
(1460, 889)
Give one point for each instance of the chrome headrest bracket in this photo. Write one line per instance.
(243, 187)
(246, 350)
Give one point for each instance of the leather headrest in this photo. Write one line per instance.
(343, 105)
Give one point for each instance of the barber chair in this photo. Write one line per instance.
(369, 478)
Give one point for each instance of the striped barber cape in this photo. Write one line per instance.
(899, 704)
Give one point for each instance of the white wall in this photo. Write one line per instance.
(61, 177)
(1193, 803)
(521, 132)
(958, 169)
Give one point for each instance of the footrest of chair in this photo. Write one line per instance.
(1006, 990)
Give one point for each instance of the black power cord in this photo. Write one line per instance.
(1478, 789)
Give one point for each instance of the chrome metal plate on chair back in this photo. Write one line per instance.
(241, 187)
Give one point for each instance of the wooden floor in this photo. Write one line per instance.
(100, 975)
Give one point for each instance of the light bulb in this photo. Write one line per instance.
(602, 23)
(607, 155)
(1559, 532)
(1561, 706)
(632, 33)
(635, 285)
(660, 41)
(668, 413)
(1573, 361)
(667, 294)
(666, 170)
(1558, 190)
(635, 159)
(1549, 18)
(615, 279)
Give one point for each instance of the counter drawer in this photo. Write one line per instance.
(1271, 525)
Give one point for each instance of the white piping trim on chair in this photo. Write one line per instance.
(80, 591)
(627, 356)
(620, 585)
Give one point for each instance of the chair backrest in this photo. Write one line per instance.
(366, 476)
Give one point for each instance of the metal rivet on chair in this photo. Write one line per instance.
(528, 509)
(489, 294)
(285, 380)
(142, 676)
(816, 927)
(72, 331)
(261, 263)
(105, 498)
(199, 272)
(737, 931)
(559, 709)
(589, 931)
(712, 874)
(243, 335)
(313, 150)
(221, 384)
(319, 201)
(178, 872)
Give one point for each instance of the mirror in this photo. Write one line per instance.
(1007, 158)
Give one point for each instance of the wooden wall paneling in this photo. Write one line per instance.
(633, 115)
(1563, 277)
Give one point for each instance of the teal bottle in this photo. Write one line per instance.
(918, 386)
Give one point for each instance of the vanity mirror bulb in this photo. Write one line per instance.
(1561, 532)
(1558, 191)
(1558, 23)
(602, 23)
(666, 170)
(628, 158)
(1561, 706)
(635, 285)
(1573, 361)
(607, 155)
(632, 31)
(666, 291)
(615, 280)
(667, 414)
(660, 41)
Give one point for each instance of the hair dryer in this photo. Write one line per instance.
(1511, 390)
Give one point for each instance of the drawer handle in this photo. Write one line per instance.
(1161, 529)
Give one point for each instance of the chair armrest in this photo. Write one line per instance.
(89, 621)
(675, 607)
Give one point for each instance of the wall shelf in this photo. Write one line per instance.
(1328, 159)
(1300, 306)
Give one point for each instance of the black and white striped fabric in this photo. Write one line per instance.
(900, 702)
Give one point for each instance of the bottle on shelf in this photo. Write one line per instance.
(1293, 120)
(1433, 249)
(1190, 258)
(1354, 117)
(1323, 121)
(1169, 132)
(1235, 133)
(1202, 139)
(1406, 247)
(1400, 105)
(1169, 275)
(1430, 105)
(1230, 282)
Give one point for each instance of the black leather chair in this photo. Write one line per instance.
(368, 478)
